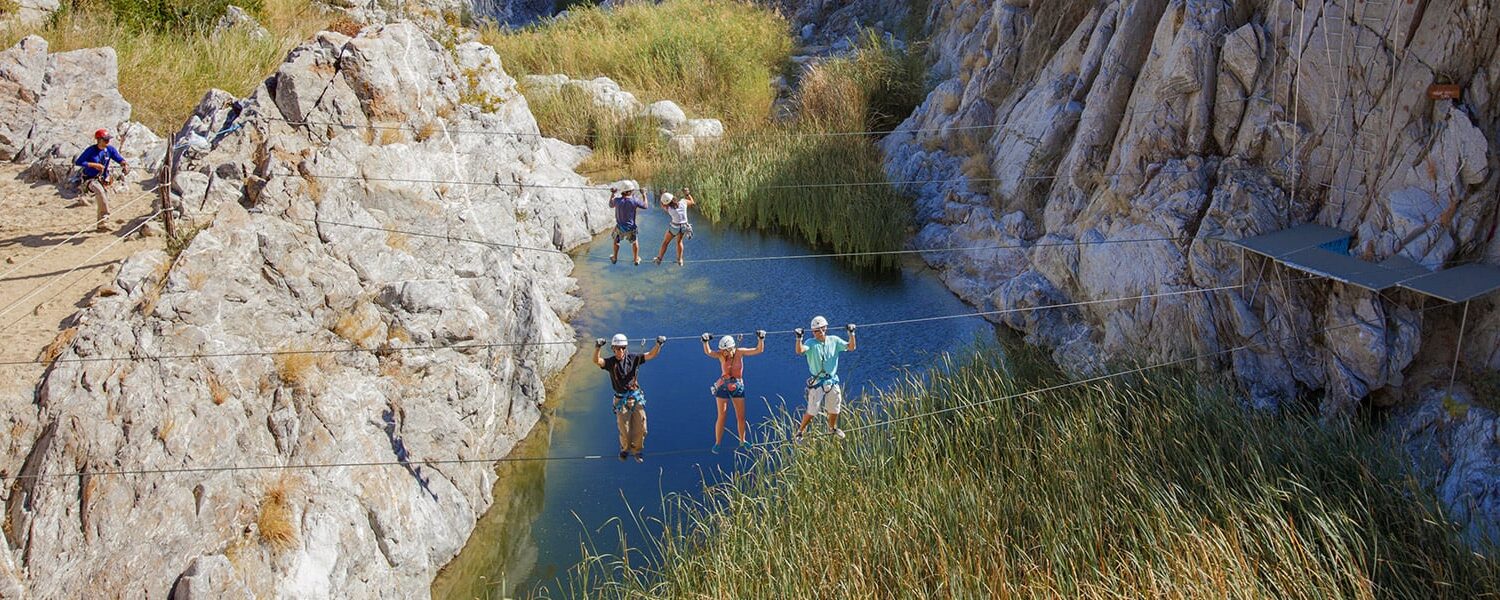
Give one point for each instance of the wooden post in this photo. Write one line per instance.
(168, 176)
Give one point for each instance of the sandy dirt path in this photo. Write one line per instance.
(48, 271)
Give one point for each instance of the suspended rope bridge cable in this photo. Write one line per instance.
(584, 339)
(89, 229)
(677, 452)
(118, 240)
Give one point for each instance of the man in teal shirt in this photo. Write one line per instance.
(823, 390)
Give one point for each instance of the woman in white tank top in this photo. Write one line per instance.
(677, 208)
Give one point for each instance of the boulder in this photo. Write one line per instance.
(235, 18)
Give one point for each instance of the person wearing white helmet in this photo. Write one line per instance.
(625, 206)
(630, 401)
(731, 383)
(677, 208)
(824, 393)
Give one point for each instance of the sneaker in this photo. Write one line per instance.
(838, 433)
(623, 455)
(640, 458)
(715, 449)
(679, 262)
(637, 261)
(614, 260)
(797, 439)
(657, 260)
(102, 228)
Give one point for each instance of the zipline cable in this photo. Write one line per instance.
(39, 288)
(92, 227)
(681, 451)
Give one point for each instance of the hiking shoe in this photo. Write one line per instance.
(640, 458)
(715, 449)
(797, 439)
(679, 262)
(838, 433)
(623, 455)
(637, 261)
(657, 260)
(614, 259)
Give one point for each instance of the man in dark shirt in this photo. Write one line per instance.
(625, 205)
(630, 401)
(95, 161)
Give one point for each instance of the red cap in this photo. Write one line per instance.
(102, 134)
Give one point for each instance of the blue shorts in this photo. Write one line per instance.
(629, 400)
(729, 388)
(685, 230)
(625, 233)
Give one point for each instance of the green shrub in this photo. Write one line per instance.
(9, 6)
(1157, 487)
(624, 146)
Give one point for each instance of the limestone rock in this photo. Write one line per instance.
(681, 134)
(30, 12)
(51, 104)
(236, 18)
(314, 305)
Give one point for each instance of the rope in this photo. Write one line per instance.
(578, 340)
(89, 229)
(680, 451)
(38, 289)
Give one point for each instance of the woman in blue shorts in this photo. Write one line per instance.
(731, 383)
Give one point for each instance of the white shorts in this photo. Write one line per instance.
(825, 397)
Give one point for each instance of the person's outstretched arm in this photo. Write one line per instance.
(800, 348)
(660, 340)
(598, 361)
(706, 350)
(850, 329)
(760, 344)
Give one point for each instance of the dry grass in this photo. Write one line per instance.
(164, 72)
(360, 325)
(396, 240)
(297, 365)
(274, 519)
(217, 392)
(164, 430)
(58, 344)
(345, 25)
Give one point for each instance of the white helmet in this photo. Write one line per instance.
(620, 341)
(819, 322)
(667, 198)
(726, 343)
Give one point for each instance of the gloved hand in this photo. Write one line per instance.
(760, 334)
(661, 339)
(705, 337)
(614, 191)
(598, 342)
(798, 331)
(849, 328)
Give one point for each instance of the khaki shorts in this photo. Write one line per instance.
(821, 398)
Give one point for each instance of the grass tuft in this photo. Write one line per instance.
(297, 365)
(274, 520)
(1154, 487)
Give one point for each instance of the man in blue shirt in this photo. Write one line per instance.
(95, 162)
(823, 390)
(625, 205)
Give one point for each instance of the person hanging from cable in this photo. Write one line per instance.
(625, 205)
(731, 382)
(677, 208)
(630, 401)
(824, 393)
(95, 161)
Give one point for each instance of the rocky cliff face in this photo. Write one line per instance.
(508, 12)
(1183, 121)
(333, 339)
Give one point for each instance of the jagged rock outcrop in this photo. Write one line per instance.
(51, 104)
(682, 135)
(1072, 130)
(236, 18)
(827, 27)
(345, 321)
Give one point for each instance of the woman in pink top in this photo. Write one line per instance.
(731, 383)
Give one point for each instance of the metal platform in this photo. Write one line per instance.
(1324, 252)
(1459, 284)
